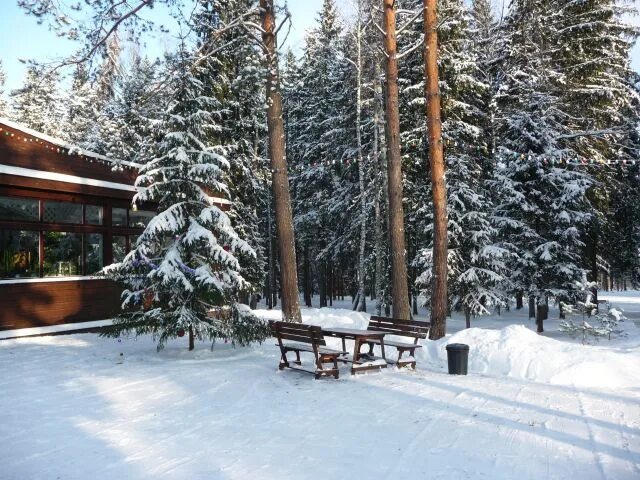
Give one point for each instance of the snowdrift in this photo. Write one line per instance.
(518, 352)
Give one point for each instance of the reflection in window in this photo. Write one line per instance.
(94, 253)
(62, 212)
(18, 254)
(140, 218)
(119, 246)
(14, 208)
(62, 254)
(133, 240)
(119, 217)
(93, 214)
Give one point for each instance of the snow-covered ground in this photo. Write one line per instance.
(532, 407)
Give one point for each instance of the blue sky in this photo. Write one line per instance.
(22, 38)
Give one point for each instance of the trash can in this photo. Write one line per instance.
(458, 358)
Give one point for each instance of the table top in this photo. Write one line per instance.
(352, 332)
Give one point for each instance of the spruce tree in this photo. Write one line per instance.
(542, 201)
(184, 263)
(38, 103)
(4, 109)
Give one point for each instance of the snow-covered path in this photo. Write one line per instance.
(70, 410)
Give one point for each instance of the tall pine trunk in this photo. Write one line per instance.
(436, 159)
(280, 179)
(361, 306)
(399, 288)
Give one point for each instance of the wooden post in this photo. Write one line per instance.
(436, 159)
(399, 288)
(280, 179)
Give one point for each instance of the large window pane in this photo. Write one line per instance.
(140, 218)
(94, 253)
(119, 246)
(18, 254)
(93, 214)
(62, 254)
(14, 208)
(62, 212)
(119, 217)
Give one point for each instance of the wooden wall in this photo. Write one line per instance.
(41, 304)
(40, 155)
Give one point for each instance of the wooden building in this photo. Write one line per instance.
(64, 214)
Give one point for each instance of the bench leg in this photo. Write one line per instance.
(283, 361)
(371, 349)
(413, 354)
(298, 362)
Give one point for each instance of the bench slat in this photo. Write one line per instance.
(391, 343)
(303, 347)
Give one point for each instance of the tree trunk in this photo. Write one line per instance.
(191, 339)
(467, 317)
(541, 315)
(399, 288)
(381, 160)
(306, 276)
(519, 295)
(436, 159)
(322, 283)
(532, 306)
(361, 306)
(280, 179)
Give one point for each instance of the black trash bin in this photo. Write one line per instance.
(458, 358)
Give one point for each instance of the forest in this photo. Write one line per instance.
(539, 122)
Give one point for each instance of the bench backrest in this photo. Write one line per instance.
(403, 328)
(297, 332)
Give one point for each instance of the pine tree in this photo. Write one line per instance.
(4, 109)
(541, 197)
(38, 104)
(81, 116)
(475, 263)
(234, 75)
(184, 263)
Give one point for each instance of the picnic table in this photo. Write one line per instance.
(360, 361)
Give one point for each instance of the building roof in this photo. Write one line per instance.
(70, 148)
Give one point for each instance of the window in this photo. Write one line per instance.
(62, 212)
(14, 208)
(93, 247)
(140, 218)
(119, 217)
(93, 215)
(19, 254)
(62, 254)
(119, 246)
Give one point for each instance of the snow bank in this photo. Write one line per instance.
(518, 352)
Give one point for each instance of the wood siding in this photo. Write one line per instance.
(41, 304)
(36, 156)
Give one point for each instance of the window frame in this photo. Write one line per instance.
(107, 230)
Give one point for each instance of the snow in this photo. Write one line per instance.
(532, 407)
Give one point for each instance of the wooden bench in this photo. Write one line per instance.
(305, 338)
(400, 328)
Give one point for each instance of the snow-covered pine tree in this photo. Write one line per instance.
(601, 98)
(322, 143)
(476, 263)
(541, 202)
(234, 75)
(38, 103)
(4, 109)
(105, 135)
(184, 263)
(81, 116)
